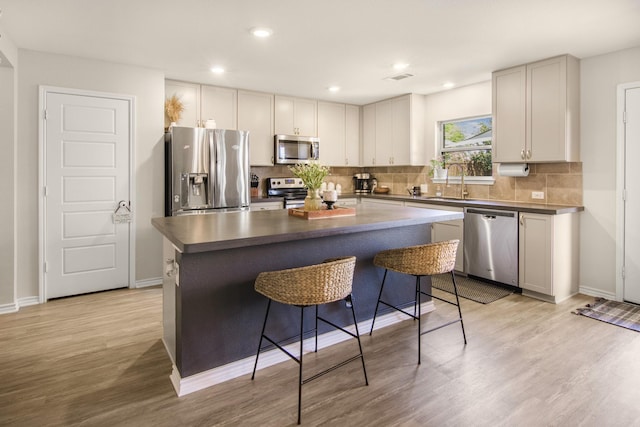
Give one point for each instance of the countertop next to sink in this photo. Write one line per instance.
(486, 204)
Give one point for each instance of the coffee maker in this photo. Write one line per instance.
(362, 183)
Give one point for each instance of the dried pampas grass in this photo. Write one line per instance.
(173, 108)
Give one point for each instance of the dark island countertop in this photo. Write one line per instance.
(540, 208)
(202, 233)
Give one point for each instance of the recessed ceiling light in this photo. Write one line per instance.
(448, 85)
(399, 66)
(334, 88)
(261, 32)
(217, 70)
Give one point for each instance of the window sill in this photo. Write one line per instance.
(470, 180)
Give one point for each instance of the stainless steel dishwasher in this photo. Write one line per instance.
(491, 244)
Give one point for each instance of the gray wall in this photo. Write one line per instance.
(7, 168)
(600, 76)
(147, 85)
(8, 88)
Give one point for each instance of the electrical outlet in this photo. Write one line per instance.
(537, 194)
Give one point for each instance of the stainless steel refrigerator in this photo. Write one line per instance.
(207, 170)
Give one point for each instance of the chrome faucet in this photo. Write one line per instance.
(463, 193)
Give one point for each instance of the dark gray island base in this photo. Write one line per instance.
(213, 316)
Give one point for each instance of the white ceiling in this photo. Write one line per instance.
(319, 43)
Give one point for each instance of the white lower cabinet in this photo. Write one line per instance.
(448, 230)
(347, 201)
(266, 206)
(548, 255)
(366, 201)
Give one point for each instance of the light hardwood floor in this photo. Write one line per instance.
(97, 360)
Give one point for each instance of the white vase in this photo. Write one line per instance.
(439, 173)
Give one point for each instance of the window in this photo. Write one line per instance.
(467, 142)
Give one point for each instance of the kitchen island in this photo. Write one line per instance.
(213, 316)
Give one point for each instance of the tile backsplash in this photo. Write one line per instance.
(561, 183)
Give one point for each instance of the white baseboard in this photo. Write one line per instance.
(193, 383)
(148, 282)
(21, 302)
(8, 308)
(27, 301)
(597, 293)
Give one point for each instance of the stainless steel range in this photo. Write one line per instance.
(291, 189)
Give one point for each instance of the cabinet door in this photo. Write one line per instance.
(255, 114)
(331, 131)
(189, 94)
(305, 114)
(369, 135)
(535, 243)
(384, 133)
(401, 126)
(221, 105)
(295, 116)
(509, 114)
(284, 122)
(547, 109)
(266, 206)
(352, 135)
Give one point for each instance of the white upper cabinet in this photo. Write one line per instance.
(295, 116)
(189, 94)
(536, 111)
(339, 133)
(221, 105)
(255, 114)
(202, 102)
(393, 132)
(352, 135)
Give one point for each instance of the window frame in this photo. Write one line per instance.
(482, 180)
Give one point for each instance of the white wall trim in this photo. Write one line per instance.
(596, 293)
(202, 380)
(27, 301)
(148, 282)
(620, 186)
(43, 92)
(21, 302)
(9, 308)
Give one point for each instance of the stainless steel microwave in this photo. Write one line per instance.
(292, 149)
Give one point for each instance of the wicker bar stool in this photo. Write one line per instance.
(418, 261)
(310, 286)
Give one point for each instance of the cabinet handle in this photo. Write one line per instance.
(346, 161)
(522, 154)
(528, 154)
(521, 219)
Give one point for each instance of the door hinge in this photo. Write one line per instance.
(46, 191)
(622, 272)
(624, 116)
(46, 267)
(45, 114)
(624, 195)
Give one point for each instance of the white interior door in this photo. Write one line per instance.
(86, 151)
(631, 267)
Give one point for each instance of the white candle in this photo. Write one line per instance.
(330, 195)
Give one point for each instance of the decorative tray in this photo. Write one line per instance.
(337, 211)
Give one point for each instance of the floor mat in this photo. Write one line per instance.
(472, 289)
(617, 313)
